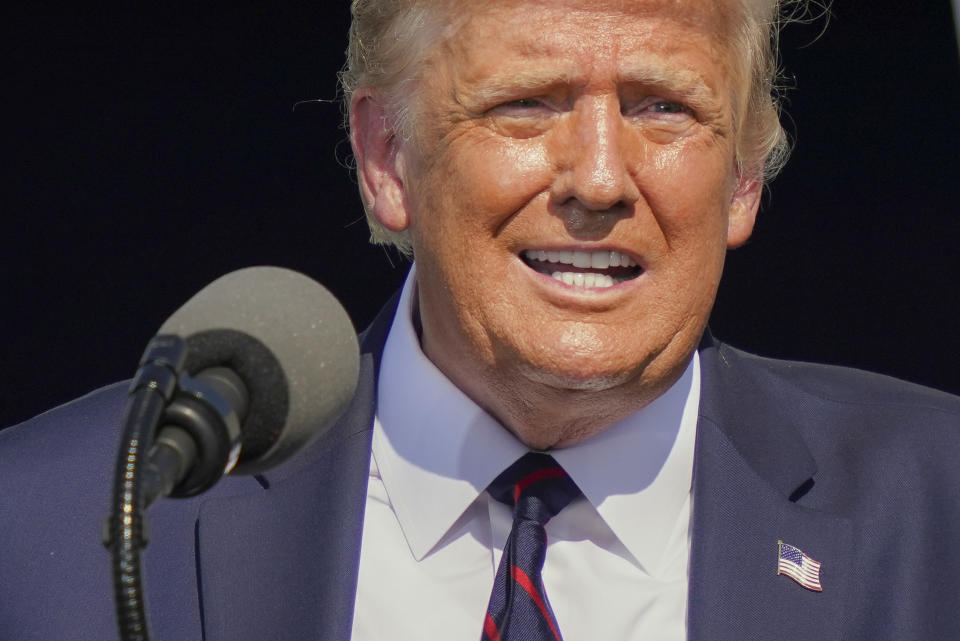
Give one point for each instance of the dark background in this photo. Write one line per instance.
(149, 151)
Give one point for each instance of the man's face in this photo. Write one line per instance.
(571, 191)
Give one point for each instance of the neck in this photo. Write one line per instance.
(544, 415)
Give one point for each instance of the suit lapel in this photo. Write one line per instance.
(750, 462)
(281, 563)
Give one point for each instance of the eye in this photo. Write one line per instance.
(535, 112)
(657, 109)
(667, 107)
(523, 103)
(520, 107)
(521, 118)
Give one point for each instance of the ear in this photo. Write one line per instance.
(743, 210)
(379, 163)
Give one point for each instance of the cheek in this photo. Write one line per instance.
(519, 168)
(494, 179)
(687, 187)
(461, 201)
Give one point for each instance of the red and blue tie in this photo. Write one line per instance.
(537, 488)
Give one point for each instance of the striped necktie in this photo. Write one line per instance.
(537, 488)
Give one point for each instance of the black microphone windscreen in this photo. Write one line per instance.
(292, 344)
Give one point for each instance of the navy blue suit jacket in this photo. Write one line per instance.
(860, 471)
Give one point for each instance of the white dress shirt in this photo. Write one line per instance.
(616, 565)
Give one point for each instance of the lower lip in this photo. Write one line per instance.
(592, 292)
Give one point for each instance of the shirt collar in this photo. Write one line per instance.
(436, 451)
(637, 473)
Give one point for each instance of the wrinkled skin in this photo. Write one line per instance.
(564, 126)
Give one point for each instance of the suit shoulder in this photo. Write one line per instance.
(838, 410)
(836, 384)
(82, 428)
(60, 462)
(872, 439)
(55, 473)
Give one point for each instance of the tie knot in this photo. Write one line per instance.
(535, 486)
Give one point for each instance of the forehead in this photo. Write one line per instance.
(711, 17)
(571, 37)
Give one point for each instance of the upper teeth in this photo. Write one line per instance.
(584, 259)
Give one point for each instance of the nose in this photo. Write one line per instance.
(594, 173)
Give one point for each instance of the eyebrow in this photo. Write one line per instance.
(687, 85)
(501, 86)
(684, 83)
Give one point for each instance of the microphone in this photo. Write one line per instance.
(248, 372)
(274, 356)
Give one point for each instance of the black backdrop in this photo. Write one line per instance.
(150, 151)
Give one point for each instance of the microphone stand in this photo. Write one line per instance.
(152, 389)
(198, 443)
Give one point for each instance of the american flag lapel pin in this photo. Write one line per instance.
(798, 566)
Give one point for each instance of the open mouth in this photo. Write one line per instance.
(587, 269)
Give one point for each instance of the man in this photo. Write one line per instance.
(568, 176)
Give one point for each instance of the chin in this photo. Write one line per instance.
(582, 359)
(586, 373)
